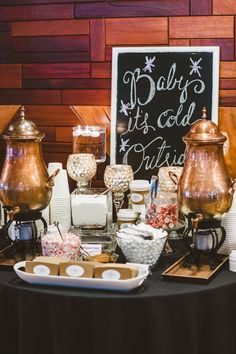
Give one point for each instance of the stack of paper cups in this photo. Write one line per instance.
(229, 223)
(60, 209)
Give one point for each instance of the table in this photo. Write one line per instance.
(161, 317)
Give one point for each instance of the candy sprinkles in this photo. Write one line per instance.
(54, 245)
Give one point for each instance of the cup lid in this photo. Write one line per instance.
(139, 184)
(127, 213)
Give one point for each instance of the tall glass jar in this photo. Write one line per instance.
(90, 140)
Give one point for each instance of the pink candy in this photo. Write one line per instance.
(53, 245)
(162, 216)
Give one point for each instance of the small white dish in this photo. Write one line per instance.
(92, 283)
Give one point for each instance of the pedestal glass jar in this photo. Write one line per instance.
(81, 168)
(163, 213)
(117, 178)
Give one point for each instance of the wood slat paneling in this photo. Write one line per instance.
(36, 12)
(139, 31)
(97, 40)
(50, 57)
(228, 84)
(227, 124)
(55, 157)
(201, 27)
(108, 55)
(224, 7)
(26, 2)
(64, 70)
(4, 40)
(55, 147)
(51, 44)
(50, 28)
(67, 83)
(87, 97)
(227, 98)
(132, 8)
(4, 55)
(49, 133)
(226, 46)
(10, 76)
(64, 134)
(30, 97)
(6, 114)
(228, 69)
(4, 27)
(101, 70)
(179, 42)
(51, 115)
(201, 7)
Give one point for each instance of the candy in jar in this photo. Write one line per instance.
(67, 245)
(163, 211)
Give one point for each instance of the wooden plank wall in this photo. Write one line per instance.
(56, 58)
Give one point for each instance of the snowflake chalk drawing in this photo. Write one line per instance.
(195, 67)
(124, 145)
(149, 64)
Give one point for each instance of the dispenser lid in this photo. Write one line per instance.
(23, 129)
(204, 131)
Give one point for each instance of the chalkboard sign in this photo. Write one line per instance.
(157, 94)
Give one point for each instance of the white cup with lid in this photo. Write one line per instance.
(139, 195)
(125, 216)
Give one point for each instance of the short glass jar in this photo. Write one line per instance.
(125, 216)
(91, 209)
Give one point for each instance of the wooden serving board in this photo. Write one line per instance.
(202, 273)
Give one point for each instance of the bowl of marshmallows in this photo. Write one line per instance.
(141, 243)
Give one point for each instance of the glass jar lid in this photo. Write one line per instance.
(23, 129)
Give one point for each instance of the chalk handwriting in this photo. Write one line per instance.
(139, 122)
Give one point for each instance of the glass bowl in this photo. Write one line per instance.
(143, 251)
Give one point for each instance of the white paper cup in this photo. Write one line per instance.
(53, 166)
(61, 185)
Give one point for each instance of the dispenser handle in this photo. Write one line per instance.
(174, 178)
(195, 220)
(13, 212)
(50, 183)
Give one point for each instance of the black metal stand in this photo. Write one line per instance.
(196, 255)
(27, 241)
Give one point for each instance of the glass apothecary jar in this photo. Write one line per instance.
(91, 210)
(163, 211)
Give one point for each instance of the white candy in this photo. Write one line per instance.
(138, 250)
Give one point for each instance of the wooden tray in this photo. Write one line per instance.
(203, 273)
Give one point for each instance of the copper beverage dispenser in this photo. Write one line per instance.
(205, 190)
(25, 186)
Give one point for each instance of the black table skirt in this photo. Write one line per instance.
(161, 317)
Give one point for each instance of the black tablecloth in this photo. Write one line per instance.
(160, 317)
